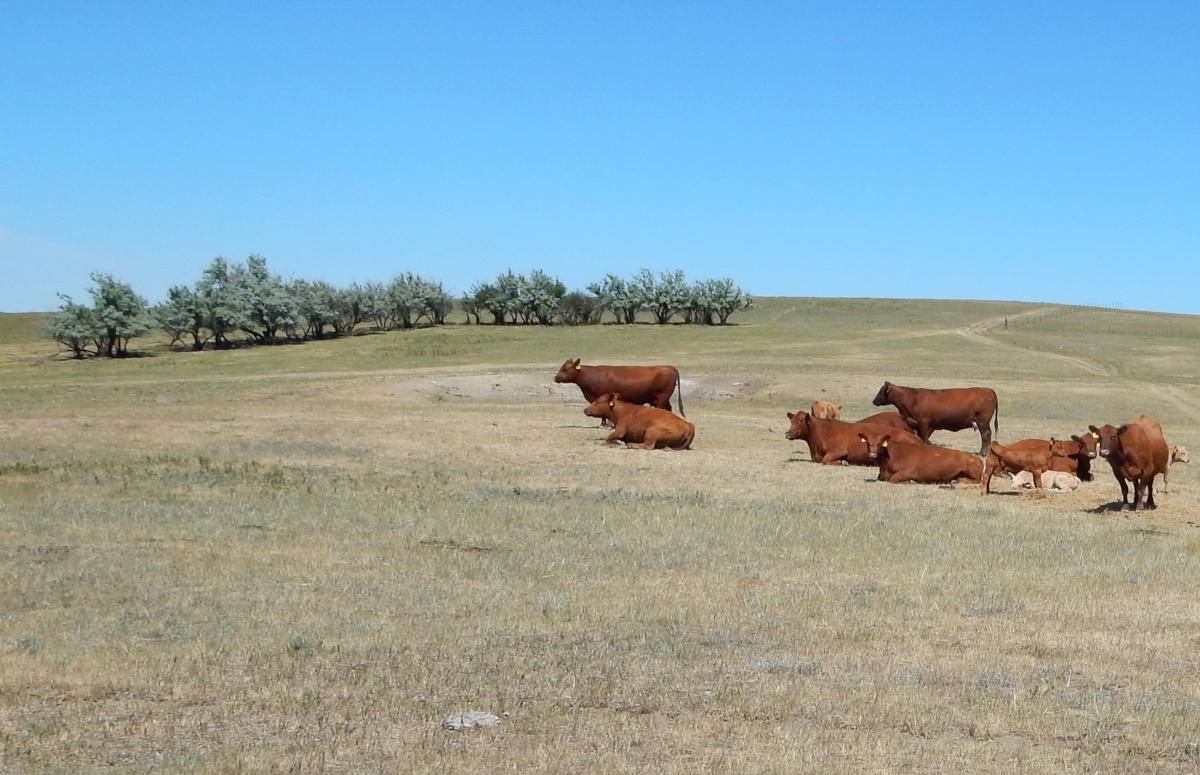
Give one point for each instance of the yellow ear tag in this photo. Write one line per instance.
(884, 444)
(578, 367)
(1095, 435)
(612, 403)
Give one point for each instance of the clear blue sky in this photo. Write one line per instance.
(1010, 150)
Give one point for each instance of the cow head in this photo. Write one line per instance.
(1179, 455)
(801, 425)
(1087, 444)
(569, 371)
(1106, 437)
(876, 443)
(1057, 449)
(603, 407)
(883, 397)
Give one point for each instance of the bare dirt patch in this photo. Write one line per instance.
(537, 387)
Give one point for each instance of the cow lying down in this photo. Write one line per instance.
(922, 463)
(645, 426)
(1051, 480)
(833, 441)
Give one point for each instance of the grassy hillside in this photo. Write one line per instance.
(304, 557)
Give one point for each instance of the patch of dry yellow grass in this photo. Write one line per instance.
(305, 568)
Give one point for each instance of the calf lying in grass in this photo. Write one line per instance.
(642, 425)
(1051, 480)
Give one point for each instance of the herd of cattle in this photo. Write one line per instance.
(636, 402)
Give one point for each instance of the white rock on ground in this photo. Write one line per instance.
(469, 719)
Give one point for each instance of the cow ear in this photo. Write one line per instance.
(791, 415)
(1076, 439)
(577, 366)
(1095, 431)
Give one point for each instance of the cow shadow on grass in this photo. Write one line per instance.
(1105, 508)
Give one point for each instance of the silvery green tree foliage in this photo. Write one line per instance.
(183, 314)
(507, 298)
(379, 309)
(580, 309)
(665, 295)
(223, 301)
(539, 297)
(720, 298)
(73, 326)
(471, 303)
(315, 308)
(406, 299)
(435, 302)
(120, 315)
(485, 297)
(352, 306)
(617, 296)
(268, 302)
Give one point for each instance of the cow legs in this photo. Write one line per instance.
(1124, 488)
(1137, 495)
(985, 481)
(1150, 504)
(650, 440)
(617, 434)
(985, 442)
(1037, 479)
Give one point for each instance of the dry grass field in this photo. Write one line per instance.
(302, 558)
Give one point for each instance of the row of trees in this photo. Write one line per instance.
(236, 302)
(514, 298)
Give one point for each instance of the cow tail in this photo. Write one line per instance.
(679, 388)
(996, 411)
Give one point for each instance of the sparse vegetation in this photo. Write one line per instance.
(238, 561)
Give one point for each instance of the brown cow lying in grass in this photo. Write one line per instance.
(642, 425)
(901, 461)
(1032, 455)
(833, 441)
